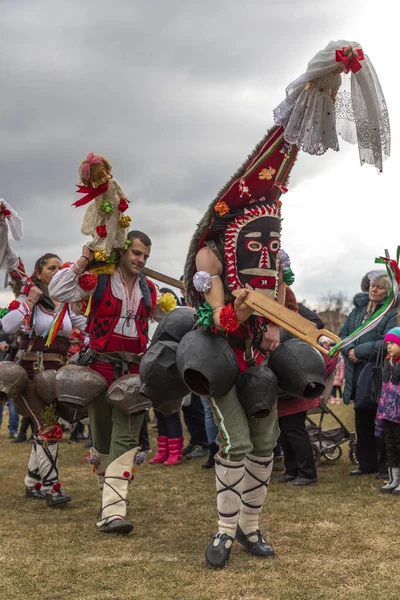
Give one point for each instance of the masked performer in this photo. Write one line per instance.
(340, 94)
(32, 315)
(122, 304)
(237, 245)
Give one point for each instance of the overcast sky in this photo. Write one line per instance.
(176, 94)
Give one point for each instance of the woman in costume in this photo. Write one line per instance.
(32, 314)
(340, 94)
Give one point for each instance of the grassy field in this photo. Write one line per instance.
(336, 540)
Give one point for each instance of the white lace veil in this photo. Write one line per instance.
(361, 113)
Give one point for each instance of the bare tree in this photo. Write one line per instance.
(333, 309)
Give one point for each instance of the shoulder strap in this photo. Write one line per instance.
(102, 283)
(144, 288)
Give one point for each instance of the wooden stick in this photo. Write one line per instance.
(163, 278)
(289, 320)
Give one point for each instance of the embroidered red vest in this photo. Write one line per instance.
(105, 315)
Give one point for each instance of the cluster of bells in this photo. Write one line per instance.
(180, 359)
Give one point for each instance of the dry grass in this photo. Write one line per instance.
(337, 540)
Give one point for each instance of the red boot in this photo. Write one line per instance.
(162, 450)
(175, 451)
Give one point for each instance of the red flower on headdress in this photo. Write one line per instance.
(227, 318)
(101, 231)
(88, 281)
(25, 290)
(14, 305)
(123, 205)
(221, 208)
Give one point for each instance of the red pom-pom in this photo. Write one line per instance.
(88, 281)
(101, 231)
(7, 213)
(227, 318)
(25, 290)
(14, 305)
(57, 486)
(66, 265)
(123, 205)
(38, 485)
(126, 474)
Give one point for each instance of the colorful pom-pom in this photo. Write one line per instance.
(101, 231)
(123, 205)
(125, 221)
(202, 281)
(221, 208)
(14, 305)
(100, 255)
(227, 318)
(167, 302)
(87, 281)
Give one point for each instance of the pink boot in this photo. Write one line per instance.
(175, 446)
(162, 450)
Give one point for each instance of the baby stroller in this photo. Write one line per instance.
(328, 442)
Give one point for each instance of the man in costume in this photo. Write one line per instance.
(237, 246)
(121, 305)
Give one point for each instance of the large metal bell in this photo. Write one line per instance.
(124, 393)
(78, 386)
(160, 380)
(13, 380)
(206, 363)
(174, 325)
(45, 385)
(71, 414)
(257, 390)
(300, 369)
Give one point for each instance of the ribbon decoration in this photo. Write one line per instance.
(205, 315)
(350, 58)
(56, 325)
(393, 271)
(91, 193)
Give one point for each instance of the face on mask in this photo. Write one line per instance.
(252, 243)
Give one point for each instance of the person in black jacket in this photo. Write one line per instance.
(370, 458)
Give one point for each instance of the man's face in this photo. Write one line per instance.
(134, 259)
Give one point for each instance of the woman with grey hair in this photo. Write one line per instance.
(356, 356)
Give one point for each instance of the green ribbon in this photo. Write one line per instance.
(3, 312)
(205, 315)
(288, 276)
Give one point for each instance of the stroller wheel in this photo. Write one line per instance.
(317, 454)
(334, 454)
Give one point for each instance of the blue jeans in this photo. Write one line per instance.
(211, 428)
(13, 417)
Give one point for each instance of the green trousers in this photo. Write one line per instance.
(113, 432)
(239, 435)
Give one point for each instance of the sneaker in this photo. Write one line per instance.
(198, 452)
(187, 449)
(300, 481)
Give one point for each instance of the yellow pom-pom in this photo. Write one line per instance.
(167, 302)
(100, 255)
(103, 270)
(125, 221)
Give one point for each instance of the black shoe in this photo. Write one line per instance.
(384, 476)
(359, 472)
(19, 439)
(217, 555)
(211, 457)
(187, 449)
(285, 478)
(198, 452)
(57, 498)
(258, 548)
(117, 526)
(303, 481)
(36, 494)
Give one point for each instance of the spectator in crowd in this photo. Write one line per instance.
(337, 390)
(194, 417)
(211, 432)
(370, 453)
(169, 439)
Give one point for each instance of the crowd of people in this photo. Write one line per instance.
(242, 382)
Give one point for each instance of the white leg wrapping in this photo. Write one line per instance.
(229, 479)
(32, 478)
(257, 476)
(99, 463)
(47, 456)
(117, 478)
